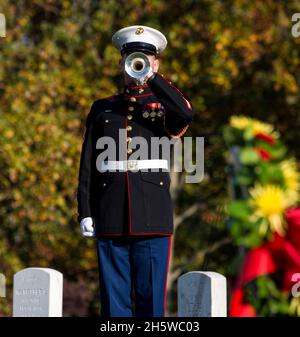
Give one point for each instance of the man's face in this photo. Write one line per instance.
(154, 63)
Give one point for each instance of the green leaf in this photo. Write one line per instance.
(249, 156)
(239, 209)
(248, 134)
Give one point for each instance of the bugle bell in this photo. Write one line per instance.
(137, 65)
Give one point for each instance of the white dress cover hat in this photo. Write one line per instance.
(139, 38)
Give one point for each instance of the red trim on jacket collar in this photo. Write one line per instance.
(137, 90)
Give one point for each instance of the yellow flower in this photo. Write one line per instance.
(240, 122)
(291, 178)
(244, 122)
(270, 202)
(259, 127)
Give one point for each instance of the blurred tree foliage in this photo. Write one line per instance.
(228, 57)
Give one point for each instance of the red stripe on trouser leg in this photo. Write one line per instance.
(166, 282)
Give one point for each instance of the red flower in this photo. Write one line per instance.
(267, 138)
(279, 254)
(263, 154)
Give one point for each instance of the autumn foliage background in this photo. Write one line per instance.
(228, 57)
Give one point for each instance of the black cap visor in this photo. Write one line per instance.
(144, 47)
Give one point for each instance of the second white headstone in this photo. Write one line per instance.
(2, 285)
(37, 292)
(202, 294)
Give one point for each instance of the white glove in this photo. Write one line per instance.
(87, 227)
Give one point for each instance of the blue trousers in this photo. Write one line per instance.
(133, 263)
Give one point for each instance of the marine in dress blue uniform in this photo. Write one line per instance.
(127, 209)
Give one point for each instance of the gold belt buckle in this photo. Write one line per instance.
(132, 165)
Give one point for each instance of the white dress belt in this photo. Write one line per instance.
(134, 164)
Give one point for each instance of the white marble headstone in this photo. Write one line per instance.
(37, 292)
(2, 285)
(202, 294)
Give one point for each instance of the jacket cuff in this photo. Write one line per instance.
(177, 134)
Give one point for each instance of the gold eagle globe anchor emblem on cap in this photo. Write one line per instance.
(139, 30)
